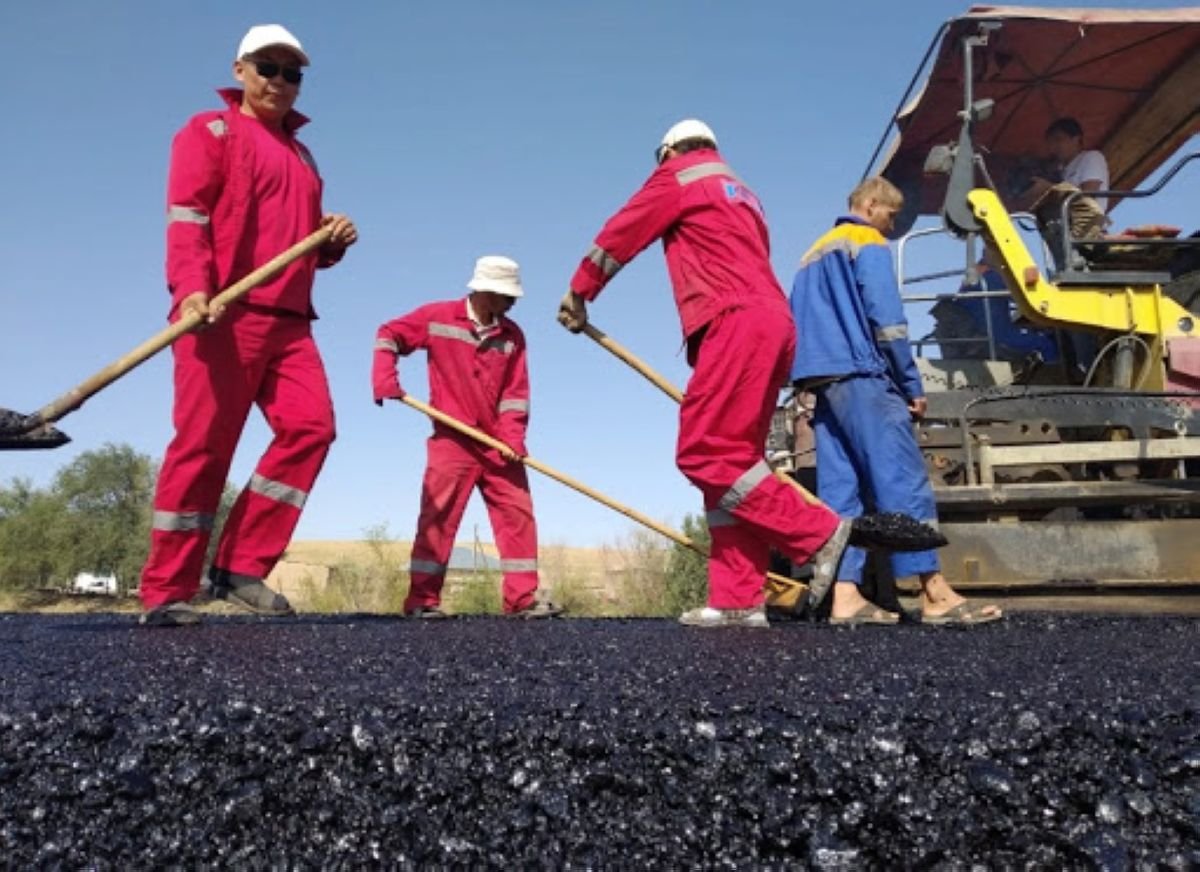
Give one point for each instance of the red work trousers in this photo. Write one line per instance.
(455, 468)
(248, 357)
(741, 363)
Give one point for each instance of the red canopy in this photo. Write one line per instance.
(1130, 77)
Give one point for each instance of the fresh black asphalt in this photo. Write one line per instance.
(1046, 741)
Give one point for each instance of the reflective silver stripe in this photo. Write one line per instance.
(185, 214)
(387, 345)
(504, 347)
(513, 406)
(746, 482)
(216, 127)
(528, 565)
(449, 331)
(278, 491)
(891, 332)
(703, 171)
(719, 518)
(608, 264)
(427, 566)
(847, 246)
(177, 522)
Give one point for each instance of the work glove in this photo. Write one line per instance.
(572, 312)
(384, 381)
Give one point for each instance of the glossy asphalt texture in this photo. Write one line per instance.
(1046, 741)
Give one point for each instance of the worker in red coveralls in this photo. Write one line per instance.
(740, 343)
(477, 374)
(241, 190)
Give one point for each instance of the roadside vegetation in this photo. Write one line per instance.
(643, 577)
(94, 517)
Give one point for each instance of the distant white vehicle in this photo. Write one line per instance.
(86, 582)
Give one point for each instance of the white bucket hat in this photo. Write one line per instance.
(262, 36)
(501, 275)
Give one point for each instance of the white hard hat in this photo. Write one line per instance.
(497, 274)
(689, 128)
(262, 36)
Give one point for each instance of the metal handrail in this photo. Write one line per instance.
(1027, 221)
(930, 277)
(956, 295)
(1069, 243)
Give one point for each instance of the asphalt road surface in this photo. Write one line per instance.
(1047, 741)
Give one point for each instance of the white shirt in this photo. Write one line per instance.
(483, 331)
(1088, 166)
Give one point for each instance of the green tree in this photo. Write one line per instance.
(95, 517)
(32, 536)
(687, 571)
(107, 494)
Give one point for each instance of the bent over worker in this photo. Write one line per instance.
(853, 353)
(477, 374)
(740, 342)
(242, 189)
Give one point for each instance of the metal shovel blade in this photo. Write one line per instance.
(24, 433)
(894, 531)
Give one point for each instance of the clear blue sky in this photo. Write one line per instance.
(447, 130)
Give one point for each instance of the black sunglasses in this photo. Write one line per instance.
(270, 69)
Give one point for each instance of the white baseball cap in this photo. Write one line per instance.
(262, 36)
(498, 274)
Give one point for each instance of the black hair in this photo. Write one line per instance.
(1067, 126)
(693, 143)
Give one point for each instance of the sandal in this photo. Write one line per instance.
(868, 613)
(966, 614)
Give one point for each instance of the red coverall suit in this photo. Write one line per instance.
(479, 376)
(741, 343)
(239, 193)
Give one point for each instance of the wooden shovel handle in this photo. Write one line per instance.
(573, 483)
(74, 398)
(651, 375)
(623, 353)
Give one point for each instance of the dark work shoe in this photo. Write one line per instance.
(178, 614)
(540, 609)
(826, 562)
(426, 613)
(247, 592)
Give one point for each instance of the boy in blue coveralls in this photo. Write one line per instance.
(853, 354)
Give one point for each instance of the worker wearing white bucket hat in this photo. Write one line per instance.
(477, 374)
(499, 275)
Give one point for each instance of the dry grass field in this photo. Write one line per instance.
(372, 575)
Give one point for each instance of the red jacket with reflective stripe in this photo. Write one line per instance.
(211, 210)
(483, 382)
(714, 235)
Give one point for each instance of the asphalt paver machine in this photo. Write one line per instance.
(1080, 467)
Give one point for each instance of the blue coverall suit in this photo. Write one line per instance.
(852, 352)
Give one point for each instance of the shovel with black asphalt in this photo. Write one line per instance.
(890, 531)
(24, 432)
